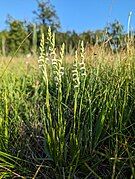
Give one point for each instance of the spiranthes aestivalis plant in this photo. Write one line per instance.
(75, 73)
(82, 70)
(76, 85)
(51, 55)
(75, 131)
(84, 130)
(51, 50)
(59, 64)
(48, 123)
(54, 128)
(61, 122)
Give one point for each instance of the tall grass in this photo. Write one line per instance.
(68, 120)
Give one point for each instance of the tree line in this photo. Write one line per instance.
(45, 16)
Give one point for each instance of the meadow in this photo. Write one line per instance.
(68, 116)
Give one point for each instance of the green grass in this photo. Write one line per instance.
(68, 120)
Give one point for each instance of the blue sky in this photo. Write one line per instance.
(78, 15)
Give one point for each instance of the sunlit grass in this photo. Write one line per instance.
(68, 120)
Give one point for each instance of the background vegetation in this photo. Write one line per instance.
(67, 111)
(45, 16)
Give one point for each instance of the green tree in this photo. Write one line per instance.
(74, 40)
(115, 33)
(17, 33)
(34, 38)
(88, 37)
(3, 42)
(63, 37)
(46, 14)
